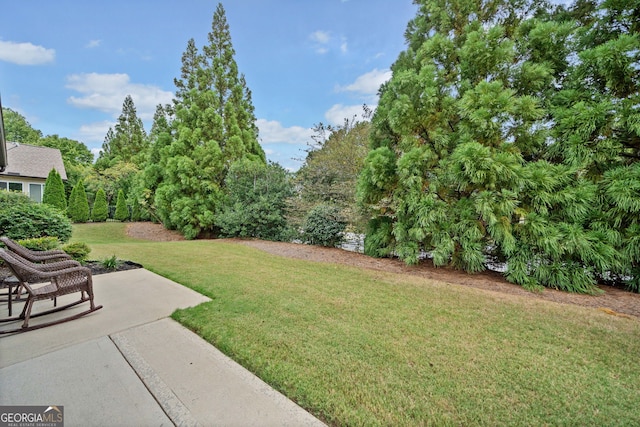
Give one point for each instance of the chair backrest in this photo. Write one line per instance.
(10, 244)
(20, 267)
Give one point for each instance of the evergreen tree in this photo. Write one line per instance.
(213, 126)
(100, 211)
(122, 211)
(105, 156)
(78, 209)
(127, 142)
(54, 193)
(598, 131)
(147, 182)
(459, 163)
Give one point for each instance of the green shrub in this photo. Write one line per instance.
(111, 263)
(78, 209)
(12, 198)
(78, 250)
(40, 243)
(54, 194)
(122, 212)
(324, 226)
(378, 241)
(33, 220)
(100, 210)
(255, 203)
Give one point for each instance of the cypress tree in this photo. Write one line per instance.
(122, 211)
(78, 209)
(100, 210)
(54, 193)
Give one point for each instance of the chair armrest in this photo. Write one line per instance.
(59, 265)
(39, 274)
(50, 257)
(50, 252)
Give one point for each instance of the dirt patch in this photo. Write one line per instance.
(613, 301)
(152, 231)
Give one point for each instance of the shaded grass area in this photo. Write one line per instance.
(359, 347)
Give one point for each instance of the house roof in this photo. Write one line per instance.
(32, 161)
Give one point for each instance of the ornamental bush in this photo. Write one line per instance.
(324, 226)
(40, 243)
(100, 210)
(77, 250)
(12, 198)
(28, 220)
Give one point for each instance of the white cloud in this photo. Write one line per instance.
(93, 44)
(272, 132)
(368, 83)
(106, 92)
(321, 40)
(338, 112)
(96, 152)
(25, 53)
(94, 133)
(321, 37)
(344, 47)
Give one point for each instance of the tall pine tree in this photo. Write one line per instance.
(213, 127)
(128, 140)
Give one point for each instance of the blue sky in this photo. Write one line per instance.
(68, 65)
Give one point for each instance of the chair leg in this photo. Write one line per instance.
(27, 312)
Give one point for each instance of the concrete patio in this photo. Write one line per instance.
(129, 364)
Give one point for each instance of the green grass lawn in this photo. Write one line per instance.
(360, 347)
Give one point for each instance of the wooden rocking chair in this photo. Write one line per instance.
(62, 278)
(34, 256)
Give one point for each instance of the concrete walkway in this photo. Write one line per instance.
(128, 364)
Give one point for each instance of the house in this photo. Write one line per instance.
(28, 167)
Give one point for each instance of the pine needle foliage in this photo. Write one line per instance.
(213, 126)
(507, 133)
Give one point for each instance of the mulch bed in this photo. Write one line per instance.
(95, 266)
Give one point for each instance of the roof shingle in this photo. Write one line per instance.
(32, 161)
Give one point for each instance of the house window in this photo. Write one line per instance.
(4, 185)
(15, 186)
(35, 192)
